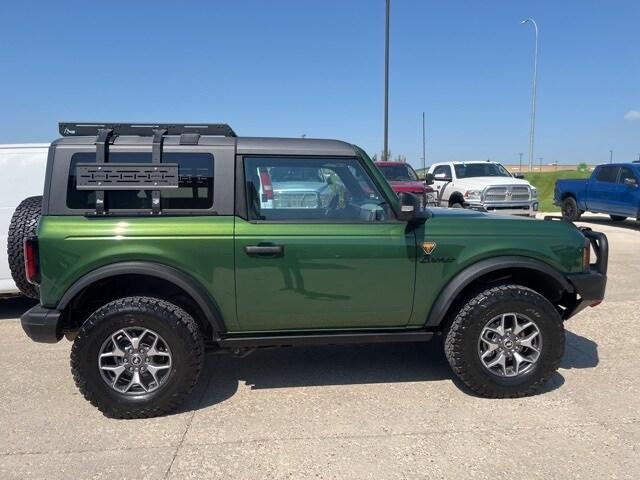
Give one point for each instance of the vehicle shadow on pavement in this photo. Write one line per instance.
(14, 307)
(629, 224)
(580, 352)
(314, 366)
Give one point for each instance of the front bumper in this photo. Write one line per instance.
(42, 325)
(528, 209)
(590, 287)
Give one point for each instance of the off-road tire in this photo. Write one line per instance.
(175, 326)
(465, 326)
(570, 209)
(618, 218)
(23, 223)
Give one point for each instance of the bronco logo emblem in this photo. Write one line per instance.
(428, 247)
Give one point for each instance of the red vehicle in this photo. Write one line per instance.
(403, 178)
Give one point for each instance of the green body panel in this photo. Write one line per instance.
(200, 246)
(469, 237)
(331, 276)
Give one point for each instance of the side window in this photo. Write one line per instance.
(607, 174)
(442, 171)
(627, 176)
(194, 192)
(311, 189)
(195, 182)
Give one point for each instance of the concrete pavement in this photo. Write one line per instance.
(366, 411)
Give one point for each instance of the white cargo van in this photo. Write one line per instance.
(22, 171)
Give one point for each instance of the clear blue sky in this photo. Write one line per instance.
(286, 68)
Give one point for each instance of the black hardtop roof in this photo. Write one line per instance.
(244, 145)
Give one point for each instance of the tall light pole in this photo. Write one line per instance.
(610, 156)
(533, 97)
(520, 163)
(540, 164)
(424, 147)
(386, 86)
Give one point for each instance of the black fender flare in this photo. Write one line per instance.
(165, 272)
(477, 270)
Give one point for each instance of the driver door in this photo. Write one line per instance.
(320, 251)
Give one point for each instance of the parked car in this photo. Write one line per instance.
(611, 189)
(483, 185)
(152, 246)
(403, 178)
(283, 187)
(22, 170)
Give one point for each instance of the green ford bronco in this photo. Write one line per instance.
(158, 243)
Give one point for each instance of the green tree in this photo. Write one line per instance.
(583, 167)
(401, 158)
(387, 157)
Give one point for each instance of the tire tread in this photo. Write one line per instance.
(459, 325)
(178, 318)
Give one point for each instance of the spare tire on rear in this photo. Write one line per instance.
(23, 223)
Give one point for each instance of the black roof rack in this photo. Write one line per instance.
(77, 129)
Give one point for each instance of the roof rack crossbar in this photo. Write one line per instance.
(78, 129)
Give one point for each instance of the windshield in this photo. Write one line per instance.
(398, 172)
(468, 170)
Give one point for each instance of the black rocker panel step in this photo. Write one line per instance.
(126, 176)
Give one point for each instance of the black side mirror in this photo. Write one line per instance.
(430, 179)
(519, 175)
(409, 206)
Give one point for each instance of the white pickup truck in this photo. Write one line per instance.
(483, 185)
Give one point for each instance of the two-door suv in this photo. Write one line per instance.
(160, 242)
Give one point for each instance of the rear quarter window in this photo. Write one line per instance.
(194, 192)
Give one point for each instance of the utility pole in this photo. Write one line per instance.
(424, 148)
(540, 164)
(610, 156)
(533, 96)
(386, 87)
(520, 163)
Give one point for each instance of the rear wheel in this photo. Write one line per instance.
(137, 357)
(570, 209)
(617, 218)
(23, 223)
(505, 341)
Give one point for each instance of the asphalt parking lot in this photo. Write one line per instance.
(367, 411)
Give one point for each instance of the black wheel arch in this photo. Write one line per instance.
(456, 197)
(549, 282)
(208, 310)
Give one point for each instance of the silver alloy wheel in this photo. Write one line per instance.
(510, 345)
(135, 360)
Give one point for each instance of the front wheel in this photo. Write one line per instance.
(570, 209)
(137, 357)
(505, 341)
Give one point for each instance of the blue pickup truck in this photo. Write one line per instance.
(612, 189)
